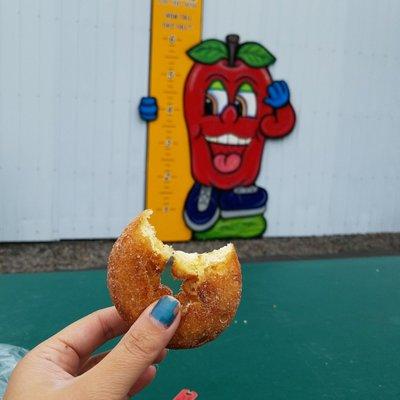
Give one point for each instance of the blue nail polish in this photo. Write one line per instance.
(165, 310)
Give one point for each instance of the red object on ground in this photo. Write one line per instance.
(186, 394)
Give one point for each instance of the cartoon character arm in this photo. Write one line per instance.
(148, 108)
(283, 118)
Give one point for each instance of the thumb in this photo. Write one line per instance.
(114, 376)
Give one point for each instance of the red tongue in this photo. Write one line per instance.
(227, 162)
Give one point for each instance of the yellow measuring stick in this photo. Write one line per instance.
(175, 28)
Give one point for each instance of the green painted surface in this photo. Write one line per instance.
(239, 228)
(321, 329)
(246, 87)
(217, 85)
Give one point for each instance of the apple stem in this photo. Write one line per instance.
(233, 43)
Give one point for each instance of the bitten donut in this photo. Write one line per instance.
(211, 282)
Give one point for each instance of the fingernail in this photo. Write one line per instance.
(165, 310)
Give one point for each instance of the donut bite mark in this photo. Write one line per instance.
(211, 282)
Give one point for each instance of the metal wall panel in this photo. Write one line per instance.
(339, 171)
(72, 148)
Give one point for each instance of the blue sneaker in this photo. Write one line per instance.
(201, 207)
(243, 201)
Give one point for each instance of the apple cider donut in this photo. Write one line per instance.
(211, 282)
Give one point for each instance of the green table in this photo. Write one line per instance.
(320, 329)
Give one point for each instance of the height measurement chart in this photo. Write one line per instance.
(175, 28)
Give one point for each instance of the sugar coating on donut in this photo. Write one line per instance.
(211, 282)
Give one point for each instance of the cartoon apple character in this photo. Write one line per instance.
(231, 105)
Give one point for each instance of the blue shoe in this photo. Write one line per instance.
(201, 207)
(243, 201)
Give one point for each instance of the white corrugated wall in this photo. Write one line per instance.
(72, 148)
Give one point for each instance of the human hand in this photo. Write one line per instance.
(62, 367)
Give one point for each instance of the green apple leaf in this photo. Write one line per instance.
(208, 52)
(255, 55)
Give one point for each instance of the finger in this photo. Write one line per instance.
(271, 101)
(145, 379)
(148, 100)
(90, 332)
(80, 339)
(94, 360)
(148, 109)
(147, 337)
(281, 88)
(161, 356)
(91, 362)
(284, 85)
(272, 91)
(148, 117)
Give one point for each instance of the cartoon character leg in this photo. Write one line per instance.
(201, 207)
(243, 201)
(235, 228)
(240, 216)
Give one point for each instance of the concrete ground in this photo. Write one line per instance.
(90, 254)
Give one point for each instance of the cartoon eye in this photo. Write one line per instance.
(241, 106)
(210, 105)
(246, 101)
(216, 99)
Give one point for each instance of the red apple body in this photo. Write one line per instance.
(226, 166)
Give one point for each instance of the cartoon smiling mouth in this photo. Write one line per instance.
(227, 151)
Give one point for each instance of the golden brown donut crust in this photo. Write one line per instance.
(210, 292)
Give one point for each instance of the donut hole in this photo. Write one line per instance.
(168, 279)
(185, 272)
